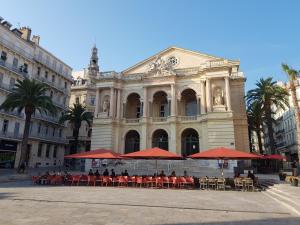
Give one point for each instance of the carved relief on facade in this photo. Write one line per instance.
(218, 99)
(159, 67)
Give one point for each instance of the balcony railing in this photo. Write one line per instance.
(188, 118)
(17, 49)
(50, 66)
(6, 87)
(46, 118)
(43, 136)
(10, 135)
(52, 84)
(132, 120)
(11, 67)
(12, 113)
(159, 119)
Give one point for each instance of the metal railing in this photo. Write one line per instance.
(12, 46)
(6, 87)
(14, 69)
(12, 113)
(45, 137)
(159, 119)
(188, 118)
(46, 118)
(10, 135)
(132, 120)
(52, 84)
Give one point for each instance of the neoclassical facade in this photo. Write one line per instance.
(179, 100)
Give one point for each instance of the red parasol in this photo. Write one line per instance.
(95, 154)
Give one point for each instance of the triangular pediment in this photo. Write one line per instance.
(181, 58)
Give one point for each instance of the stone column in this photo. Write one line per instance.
(173, 100)
(111, 104)
(202, 101)
(118, 103)
(97, 103)
(208, 95)
(198, 104)
(227, 92)
(145, 104)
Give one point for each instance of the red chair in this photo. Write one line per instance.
(75, 179)
(106, 180)
(149, 181)
(123, 181)
(98, 179)
(57, 180)
(190, 182)
(181, 182)
(34, 179)
(139, 181)
(173, 181)
(84, 179)
(159, 182)
(131, 181)
(68, 179)
(166, 181)
(92, 180)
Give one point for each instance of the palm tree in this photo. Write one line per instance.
(269, 95)
(293, 75)
(255, 121)
(29, 95)
(76, 115)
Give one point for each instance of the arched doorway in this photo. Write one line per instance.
(132, 141)
(160, 107)
(189, 105)
(133, 106)
(160, 139)
(189, 142)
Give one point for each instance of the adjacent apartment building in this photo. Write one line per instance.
(22, 56)
(179, 100)
(285, 129)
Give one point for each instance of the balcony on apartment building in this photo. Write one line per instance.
(19, 70)
(10, 135)
(52, 84)
(14, 113)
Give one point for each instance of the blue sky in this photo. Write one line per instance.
(262, 34)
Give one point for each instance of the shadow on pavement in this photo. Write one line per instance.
(6, 196)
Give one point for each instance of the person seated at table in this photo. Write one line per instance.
(113, 174)
(237, 175)
(97, 173)
(162, 174)
(126, 173)
(173, 174)
(185, 174)
(106, 173)
(251, 175)
(59, 173)
(91, 172)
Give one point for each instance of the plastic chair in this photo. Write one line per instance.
(106, 180)
(149, 181)
(99, 180)
(173, 181)
(249, 184)
(84, 179)
(123, 181)
(212, 183)
(166, 181)
(221, 184)
(159, 182)
(92, 180)
(182, 182)
(203, 183)
(34, 179)
(190, 181)
(139, 181)
(238, 184)
(75, 179)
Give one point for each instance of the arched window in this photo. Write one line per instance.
(132, 141)
(189, 142)
(160, 139)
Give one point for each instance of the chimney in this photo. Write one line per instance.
(36, 39)
(26, 33)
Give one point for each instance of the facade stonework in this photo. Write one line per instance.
(179, 100)
(22, 57)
